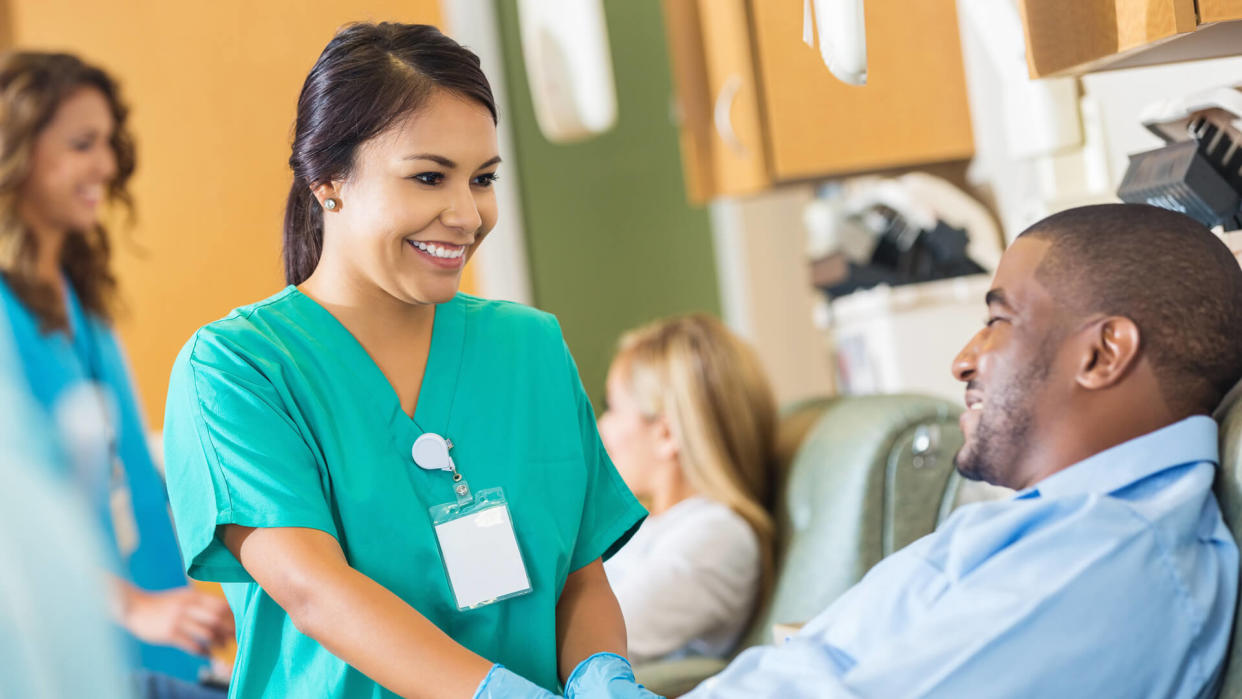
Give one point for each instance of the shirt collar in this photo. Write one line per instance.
(1188, 441)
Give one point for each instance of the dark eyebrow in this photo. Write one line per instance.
(997, 297)
(445, 162)
(437, 159)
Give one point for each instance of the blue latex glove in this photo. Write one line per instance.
(605, 675)
(502, 684)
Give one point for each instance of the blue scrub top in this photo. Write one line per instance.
(54, 363)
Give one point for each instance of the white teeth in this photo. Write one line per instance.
(438, 251)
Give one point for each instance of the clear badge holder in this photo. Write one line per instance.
(479, 547)
(477, 541)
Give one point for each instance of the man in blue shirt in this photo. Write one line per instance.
(1113, 331)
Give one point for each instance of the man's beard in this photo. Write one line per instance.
(994, 448)
(1004, 429)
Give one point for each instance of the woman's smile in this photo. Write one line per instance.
(442, 255)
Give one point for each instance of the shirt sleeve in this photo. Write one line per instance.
(234, 455)
(610, 512)
(1004, 636)
(700, 578)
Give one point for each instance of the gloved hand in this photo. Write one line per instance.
(605, 675)
(502, 684)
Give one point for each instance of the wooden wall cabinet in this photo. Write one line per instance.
(758, 106)
(1083, 36)
(1219, 10)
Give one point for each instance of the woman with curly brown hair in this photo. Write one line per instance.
(64, 152)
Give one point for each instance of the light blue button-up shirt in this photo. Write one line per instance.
(1115, 577)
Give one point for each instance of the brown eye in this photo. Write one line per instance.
(429, 178)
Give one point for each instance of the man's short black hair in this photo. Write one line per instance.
(1168, 274)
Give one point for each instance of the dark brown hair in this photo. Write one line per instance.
(1165, 272)
(32, 87)
(368, 77)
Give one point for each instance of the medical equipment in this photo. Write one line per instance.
(1199, 170)
(915, 228)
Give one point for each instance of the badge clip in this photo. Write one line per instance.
(431, 453)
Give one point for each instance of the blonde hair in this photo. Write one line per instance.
(710, 387)
(32, 87)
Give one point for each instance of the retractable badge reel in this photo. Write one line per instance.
(475, 533)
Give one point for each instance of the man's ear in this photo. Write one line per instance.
(1110, 348)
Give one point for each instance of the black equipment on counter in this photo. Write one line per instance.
(1200, 177)
(902, 254)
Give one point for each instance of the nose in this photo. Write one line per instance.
(462, 212)
(964, 364)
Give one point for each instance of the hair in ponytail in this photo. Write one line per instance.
(303, 239)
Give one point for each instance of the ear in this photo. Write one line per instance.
(325, 191)
(1112, 349)
(666, 443)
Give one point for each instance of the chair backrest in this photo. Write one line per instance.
(873, 474)
(1229, 494)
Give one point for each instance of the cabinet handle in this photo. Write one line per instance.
(721, 114)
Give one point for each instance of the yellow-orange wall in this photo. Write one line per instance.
(213, 88)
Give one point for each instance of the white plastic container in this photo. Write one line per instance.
(903, 339)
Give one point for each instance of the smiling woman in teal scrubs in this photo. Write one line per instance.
(290, 422)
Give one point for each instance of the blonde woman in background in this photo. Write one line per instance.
(691, 426)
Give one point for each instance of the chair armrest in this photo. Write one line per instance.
(672, 678)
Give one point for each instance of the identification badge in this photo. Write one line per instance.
(480, 550)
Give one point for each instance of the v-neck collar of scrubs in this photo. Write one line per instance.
(434, 410)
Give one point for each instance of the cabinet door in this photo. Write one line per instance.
(717, 102)
(912, 110)
(1219, 10)
(1085, 35)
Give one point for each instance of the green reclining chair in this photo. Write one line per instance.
(872, 474)
(1229, 493)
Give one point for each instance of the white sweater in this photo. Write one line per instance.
(686, 581)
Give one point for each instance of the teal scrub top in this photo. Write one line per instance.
(277, 417)
(55, 362)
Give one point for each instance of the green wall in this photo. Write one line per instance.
(611, 239)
